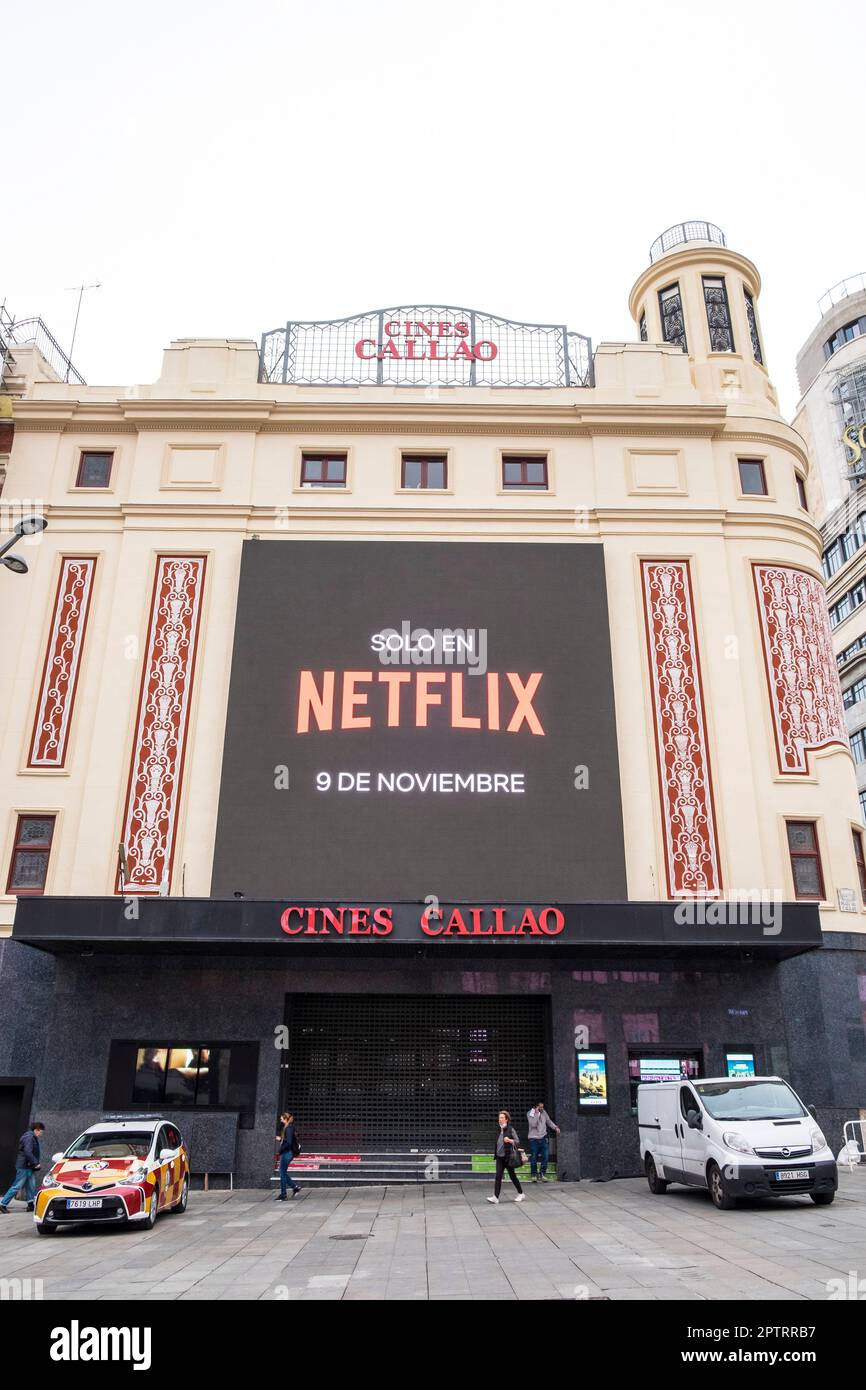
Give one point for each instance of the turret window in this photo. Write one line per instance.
(753, 482)
(752, 320)
(673, 320)
(642, 327)
(718, 315)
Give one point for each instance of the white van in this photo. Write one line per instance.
(739, 1137)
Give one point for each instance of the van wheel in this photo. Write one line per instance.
(657, 1185)
(718, 1189)
(823, 1199)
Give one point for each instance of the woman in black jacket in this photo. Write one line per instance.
(506, 1152)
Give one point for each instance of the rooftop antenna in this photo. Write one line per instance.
(81, 288)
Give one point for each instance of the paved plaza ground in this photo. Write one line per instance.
(438, 1241)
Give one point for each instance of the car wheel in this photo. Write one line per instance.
(656, 1184)
(150, 1219)
(718, 1189)
(180, 1205)
(823, 1199)
(44, 1230)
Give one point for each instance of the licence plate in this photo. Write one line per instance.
(76, 1203)
(791, 1175)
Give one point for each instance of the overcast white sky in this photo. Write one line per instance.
(222, 167)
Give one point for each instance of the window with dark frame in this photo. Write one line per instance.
(752, 320)
(753, 480)
(642, 327)
(673, 319)
(194, 1075)
(805, 859)
(424, 471)
(323, 470)
(801, 491)
(28, 869)
(718, 314)
(861, 862)
(94, 468)
(858, 746)
(526, 474)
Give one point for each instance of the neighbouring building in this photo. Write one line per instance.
(831, 416)
(421, 713)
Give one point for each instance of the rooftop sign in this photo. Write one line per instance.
(425, 345)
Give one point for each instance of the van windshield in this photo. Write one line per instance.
(749, 1100)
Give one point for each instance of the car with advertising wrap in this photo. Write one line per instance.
(736, 1137)
(128, 1169)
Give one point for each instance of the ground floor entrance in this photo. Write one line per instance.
(413, 1072)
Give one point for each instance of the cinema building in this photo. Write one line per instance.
(421, 713)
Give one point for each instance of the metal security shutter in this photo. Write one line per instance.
(382, 1073)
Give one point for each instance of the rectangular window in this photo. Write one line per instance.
(323, 470)
(805, 859)
(527, 474)
(752, 320)
(718, 314)
(29, 867)
(855, 693)
(424, 471)
(94, 468)
(642, 327)
(801, 492)
(861, 862)
(753, 482)
(184, 1075)
(673, 320)
(858, 746)
(863, 804)
(832, 561)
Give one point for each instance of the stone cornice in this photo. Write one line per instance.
(297, 520)
(576, 420)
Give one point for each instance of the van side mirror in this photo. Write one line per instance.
(812, 1111)
(165, 1154)
(55, 1158)
(694, 1120)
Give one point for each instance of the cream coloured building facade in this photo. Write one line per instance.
(722, 767)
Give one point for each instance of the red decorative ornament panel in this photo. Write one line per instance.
(682, 746)
(153, 796)
(805, 696)
(50, 738)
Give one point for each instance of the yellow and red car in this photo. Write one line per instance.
(118, 1171)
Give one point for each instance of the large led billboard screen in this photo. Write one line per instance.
(412, 720)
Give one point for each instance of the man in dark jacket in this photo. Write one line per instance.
(27, 1165)
(289, 1148)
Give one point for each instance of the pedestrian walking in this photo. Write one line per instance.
(539, 1144)
(27, 1165)
(506, 1153)
(290, 1147)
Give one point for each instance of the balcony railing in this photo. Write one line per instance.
(855, 284)
(33, 332)
(685, 231)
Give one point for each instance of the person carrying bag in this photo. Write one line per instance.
(508, 1157)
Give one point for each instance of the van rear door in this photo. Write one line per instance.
(667, 1111)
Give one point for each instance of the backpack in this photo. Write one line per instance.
(296, 1144)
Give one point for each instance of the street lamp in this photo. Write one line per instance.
(28, 526)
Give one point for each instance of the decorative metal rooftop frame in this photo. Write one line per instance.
(425, 345)
(685, 231)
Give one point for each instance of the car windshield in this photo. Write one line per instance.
(112, 1143)
(749, 1100)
